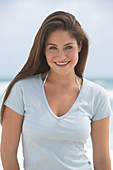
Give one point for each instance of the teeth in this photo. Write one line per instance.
(62, 63)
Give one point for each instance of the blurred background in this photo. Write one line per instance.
(19, 23)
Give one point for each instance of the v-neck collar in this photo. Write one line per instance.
(74, 104)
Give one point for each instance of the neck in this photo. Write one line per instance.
(62, 80)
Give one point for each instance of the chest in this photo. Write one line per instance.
(41, 122)
(60, 100)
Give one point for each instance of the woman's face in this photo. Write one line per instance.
(61, 52)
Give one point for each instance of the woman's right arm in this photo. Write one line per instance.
(11, 131)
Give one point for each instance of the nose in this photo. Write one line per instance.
(61, 55)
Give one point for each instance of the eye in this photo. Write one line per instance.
(52, 48)
(69, 47)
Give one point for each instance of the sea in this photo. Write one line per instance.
(106, 83)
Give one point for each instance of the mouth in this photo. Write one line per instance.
(62, 64)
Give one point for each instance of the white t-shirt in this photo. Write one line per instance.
(51, 142)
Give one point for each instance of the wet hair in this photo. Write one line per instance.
(36, 62)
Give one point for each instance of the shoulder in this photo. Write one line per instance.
(94, 91)
(28, 80)
(27, 83)
(93, 88)
(32, 78)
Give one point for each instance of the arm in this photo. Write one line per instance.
(11, 131)
(100, 143)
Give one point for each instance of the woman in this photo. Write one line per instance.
(53, 106)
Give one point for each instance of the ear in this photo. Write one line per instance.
(80, 46)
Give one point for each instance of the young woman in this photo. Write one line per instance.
(54, 106)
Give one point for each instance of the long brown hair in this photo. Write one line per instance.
(36, 62)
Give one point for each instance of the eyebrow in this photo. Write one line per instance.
(57, 45)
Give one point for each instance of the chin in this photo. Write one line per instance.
(62, 72)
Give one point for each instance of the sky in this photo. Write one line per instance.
(21, 19)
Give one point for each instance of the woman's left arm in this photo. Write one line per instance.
(100, 144)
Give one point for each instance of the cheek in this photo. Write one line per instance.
(73, 56)
(49, 57)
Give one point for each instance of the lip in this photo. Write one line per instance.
(62, 65)
(62, 62)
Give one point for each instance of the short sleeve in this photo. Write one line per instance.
(101, 106)
(15, 99)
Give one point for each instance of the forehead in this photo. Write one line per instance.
(60, 36)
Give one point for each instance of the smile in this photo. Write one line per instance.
(62, 64)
